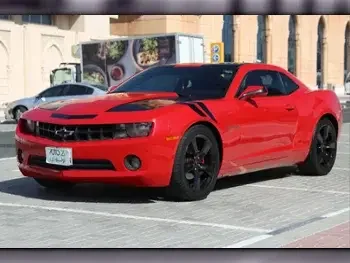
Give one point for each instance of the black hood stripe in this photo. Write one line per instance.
(72, 117)
(207, 111)
(194, 108)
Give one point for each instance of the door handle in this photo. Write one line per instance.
(289, 107)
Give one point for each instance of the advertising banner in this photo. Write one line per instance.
(111, 62)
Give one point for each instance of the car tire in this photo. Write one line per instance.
(323, 150)
(18, 112)
(54, 184)
(194, 175)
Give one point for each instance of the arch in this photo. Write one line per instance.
(321, 52)
(228, 37)
(262, 41)
(292, 44)
(4, 68)
(52, 57)
(347, 50)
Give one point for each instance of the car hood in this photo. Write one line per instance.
(28, 102)
(117, 102)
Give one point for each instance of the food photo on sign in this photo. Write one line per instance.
(112, 62)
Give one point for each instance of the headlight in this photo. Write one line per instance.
(141, 129)
(28, 126)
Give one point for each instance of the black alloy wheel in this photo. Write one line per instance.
(199, 166)
(196, 165)
(326, 146)
(323, 150)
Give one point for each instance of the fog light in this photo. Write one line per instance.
(132, 162)
(20, 157)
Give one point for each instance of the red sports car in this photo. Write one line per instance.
(182, 127)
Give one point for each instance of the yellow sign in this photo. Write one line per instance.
(217, 52)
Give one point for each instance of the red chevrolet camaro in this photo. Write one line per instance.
(182, 127)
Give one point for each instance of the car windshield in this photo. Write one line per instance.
(210, 81)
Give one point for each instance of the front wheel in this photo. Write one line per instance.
(18, 113)
(323, 150)
(196, 165)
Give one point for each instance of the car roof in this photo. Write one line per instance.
(86, 84)
(202, 64)
(258, 65)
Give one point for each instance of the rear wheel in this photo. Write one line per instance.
(323, 151)
(196, 165)
(54, 184)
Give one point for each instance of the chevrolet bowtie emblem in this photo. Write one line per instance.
(64, 133)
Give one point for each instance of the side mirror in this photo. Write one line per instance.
(252, 92)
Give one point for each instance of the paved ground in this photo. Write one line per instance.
(266, 209)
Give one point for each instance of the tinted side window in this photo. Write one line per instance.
(289, 85)
(271, 80)
(53, 92)
(76, 90)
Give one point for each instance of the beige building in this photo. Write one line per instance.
(32, 45)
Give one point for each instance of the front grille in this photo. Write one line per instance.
(76, 132)
(78, 164)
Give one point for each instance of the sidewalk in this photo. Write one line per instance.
(335, 237)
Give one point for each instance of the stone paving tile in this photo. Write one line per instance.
(335, 237)
(57, 229)
(237, 202)
(242, 205)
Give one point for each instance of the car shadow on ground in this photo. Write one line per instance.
(27, 187)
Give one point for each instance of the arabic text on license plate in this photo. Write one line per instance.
(59, 156)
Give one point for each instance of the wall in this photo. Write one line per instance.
(245, 49)
(29, 52)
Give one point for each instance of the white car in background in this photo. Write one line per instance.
(347, 84)
(14, 109)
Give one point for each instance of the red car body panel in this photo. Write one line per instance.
(272, 132)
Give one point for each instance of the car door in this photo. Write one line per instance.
(51, 94)
(280, 105)
(252, 121)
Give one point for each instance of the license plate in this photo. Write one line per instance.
(59, 156)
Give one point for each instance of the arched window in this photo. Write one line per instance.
(320, 52)
(292, 54)
(261, 39)
(227, 37)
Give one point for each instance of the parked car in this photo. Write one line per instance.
(347, 84)
(65, 91)
(182, 127)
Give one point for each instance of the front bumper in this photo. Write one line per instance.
(156, 155)
(8, 114)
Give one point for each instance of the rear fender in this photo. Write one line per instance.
(314, 106)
